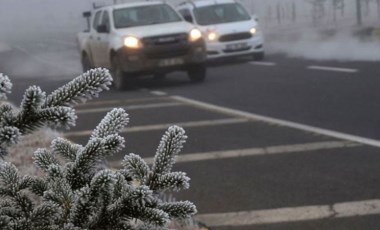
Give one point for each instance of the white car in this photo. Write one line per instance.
(138, 38)
(228, 28)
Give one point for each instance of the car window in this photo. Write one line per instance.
(145, 15)
(221, 13)
(96, 21)
(186, 14)
(106, 20)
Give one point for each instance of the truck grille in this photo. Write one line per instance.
(235, 37)
(166, 46)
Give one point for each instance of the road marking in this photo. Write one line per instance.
(272, 150)
(131, 107)
(289, 124)
(144, 128)
(294, 214)
(111, 102)
(335, 69)
(263, 63)
(158, 93)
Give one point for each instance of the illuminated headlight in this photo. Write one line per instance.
(132, 42)
(212, 36)
(253, 31)
(195, 35)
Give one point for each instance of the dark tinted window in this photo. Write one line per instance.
(186, 14)
(96, 21)
(106, 20)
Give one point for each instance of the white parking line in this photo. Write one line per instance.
(158, 93)
(263, 63)
(144, 128)
(289, 124)
(131, 107)
(237, 153)
(112, 102)
(294, 214)
(334, 69)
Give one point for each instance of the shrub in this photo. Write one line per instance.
(76, 192)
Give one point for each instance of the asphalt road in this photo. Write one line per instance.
(250, 171)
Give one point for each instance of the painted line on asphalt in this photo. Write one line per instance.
(263, 63)
(334, 69)
(131, 107)
(144, 128)
(293, 214)
(271, 150)
(111, 102)
(284, 123)
(158, 93)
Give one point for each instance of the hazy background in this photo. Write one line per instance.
(313, 29)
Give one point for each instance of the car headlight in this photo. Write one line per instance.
(195, 35)
(212, 36)
(132, 42)
(253, 31)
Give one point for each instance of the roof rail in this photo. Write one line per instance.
(99, 4)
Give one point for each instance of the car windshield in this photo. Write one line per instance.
(144, 15)
(221, 13)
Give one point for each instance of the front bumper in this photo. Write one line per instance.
(162, 59)
(217, 49)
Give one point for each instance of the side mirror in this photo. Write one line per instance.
(188, 18)
(87, 14)
(102, 29)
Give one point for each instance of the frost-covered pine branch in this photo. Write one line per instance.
(38, 110)
(74, 193)
(5, 86)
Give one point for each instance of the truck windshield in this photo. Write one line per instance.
(144, 15)
(221, 13)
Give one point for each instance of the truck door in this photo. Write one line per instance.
(103, 38)
(93, 39)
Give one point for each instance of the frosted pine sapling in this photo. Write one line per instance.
(75, 193)
(38, 110)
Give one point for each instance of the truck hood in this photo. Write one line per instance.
(230, 28)
(157, 29)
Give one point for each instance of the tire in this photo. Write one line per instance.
(259, 56)
(119, 76)
(197, 73)
(86, 63)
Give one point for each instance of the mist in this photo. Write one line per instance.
(45, 31)
(327, 31)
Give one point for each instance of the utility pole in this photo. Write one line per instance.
(359, 12)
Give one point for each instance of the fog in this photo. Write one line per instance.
(45, 30)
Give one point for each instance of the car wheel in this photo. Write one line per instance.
(258, 56)
(197, 73)
(119, 76)
(86, 64)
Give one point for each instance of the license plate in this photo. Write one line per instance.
(237, 46)
(171, 62)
